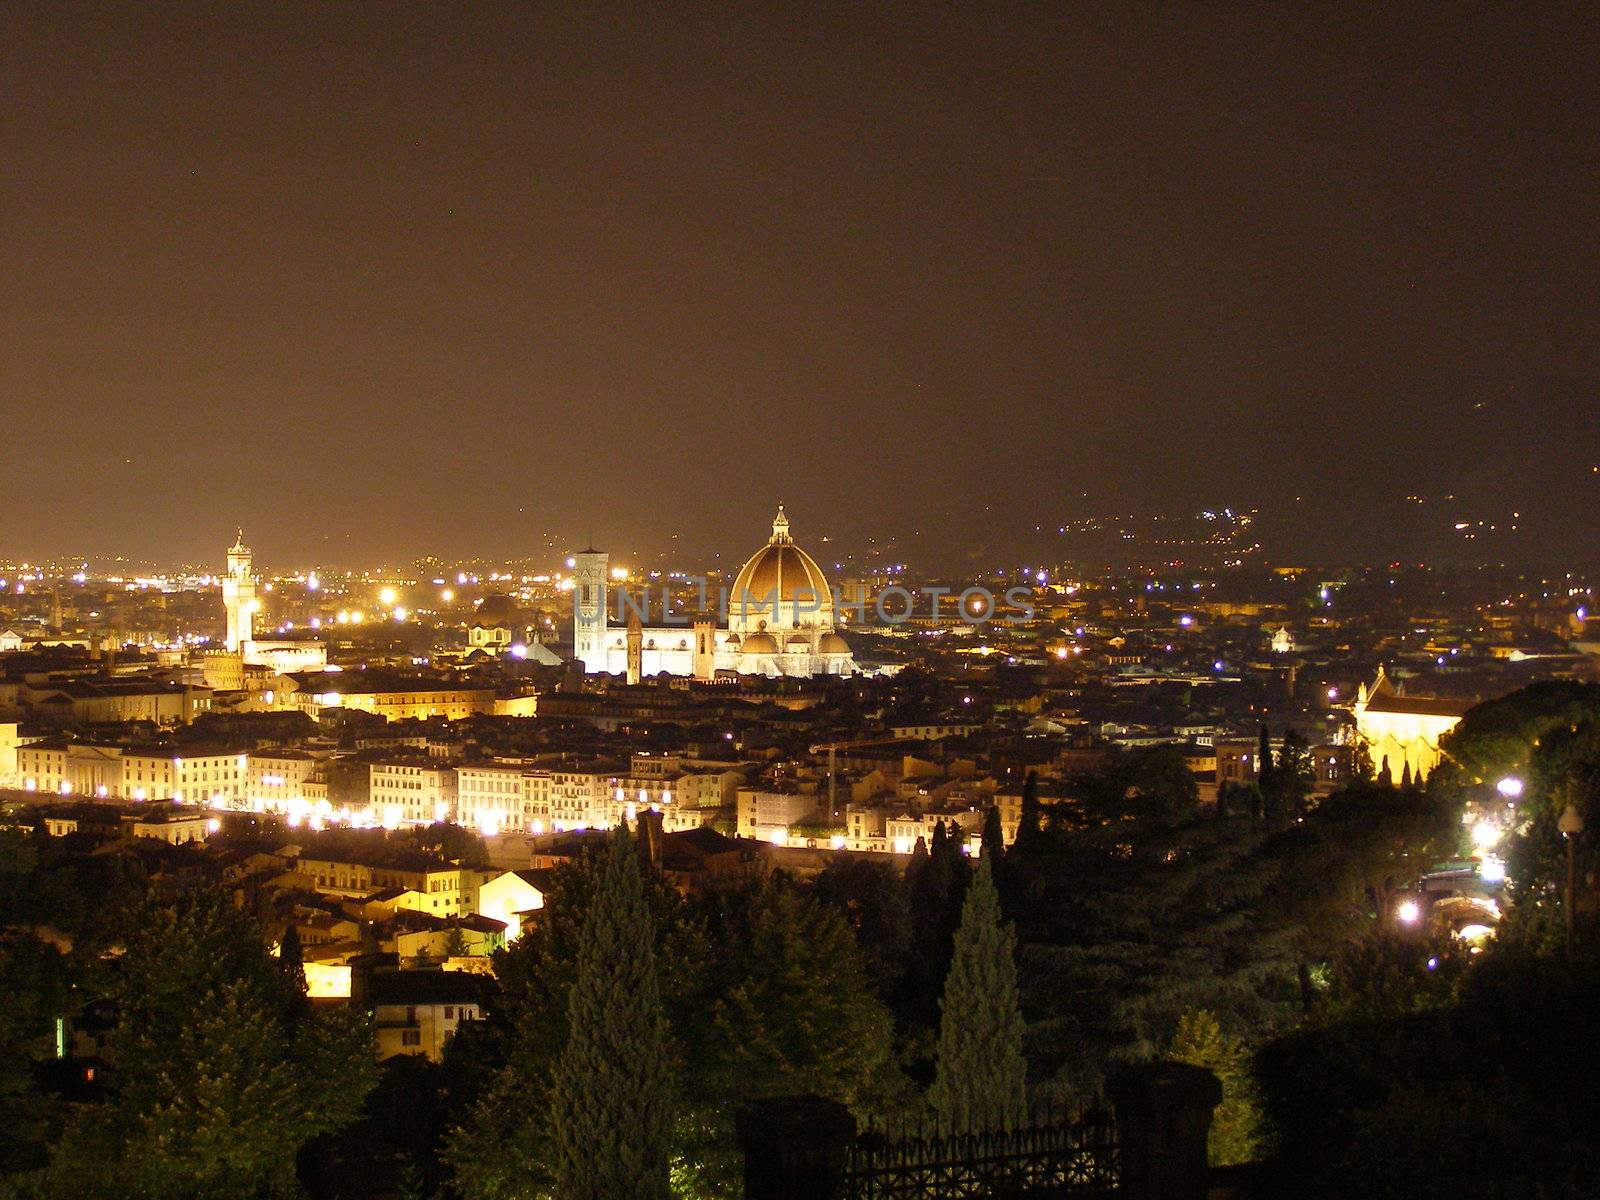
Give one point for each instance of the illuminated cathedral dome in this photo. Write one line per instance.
(780, 587)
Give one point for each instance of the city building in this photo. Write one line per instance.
(780, 622)
(1403, 731)
(418, 1012)
(241, 604)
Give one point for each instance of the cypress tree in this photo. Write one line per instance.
(994, 841)
(1028, 830)
(980, 1078)
(1264, 767)
(611, 1109)
(292, 962)
(994, 852)
(1405, 776)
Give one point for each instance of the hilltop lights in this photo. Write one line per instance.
(1509, 787)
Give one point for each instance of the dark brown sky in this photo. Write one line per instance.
(459, 277)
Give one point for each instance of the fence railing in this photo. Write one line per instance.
(811, 1148)
(1071, 1157)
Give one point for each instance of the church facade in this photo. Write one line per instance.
(1402, 732)
(780, 622)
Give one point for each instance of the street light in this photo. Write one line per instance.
(1571, 826)
(1409, 912)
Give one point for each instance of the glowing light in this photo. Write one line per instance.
(1493, 870)
(213, 825)
(1185, 620)
(447, 595)
(1474, 932)
(1409, 912)
(387, 597)
(519, 651)
(1486, 835)
(399, 614)
(837, 841)
(903, 845)
(779, 836)
(102, 790)
(312, 582)
(1509, 787)
(619, 572)
(489, 824)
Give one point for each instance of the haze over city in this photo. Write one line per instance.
(464, 280)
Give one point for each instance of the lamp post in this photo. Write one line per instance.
(1571, 825)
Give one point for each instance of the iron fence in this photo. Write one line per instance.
(1077, 1158)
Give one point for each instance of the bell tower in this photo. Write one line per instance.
(635, 648)
(589, 574)
(239, 597)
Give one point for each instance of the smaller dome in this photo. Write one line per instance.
(832, 643)
(760, 643)
(496, 609)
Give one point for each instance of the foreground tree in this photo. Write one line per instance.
(611, 1104)
(1236, 1121)
(764, 993)
(223, 1072)
(981, 1076)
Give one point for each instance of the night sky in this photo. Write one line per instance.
(378, 280)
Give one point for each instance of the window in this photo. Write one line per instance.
(411, 1037)
(449, 1012)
